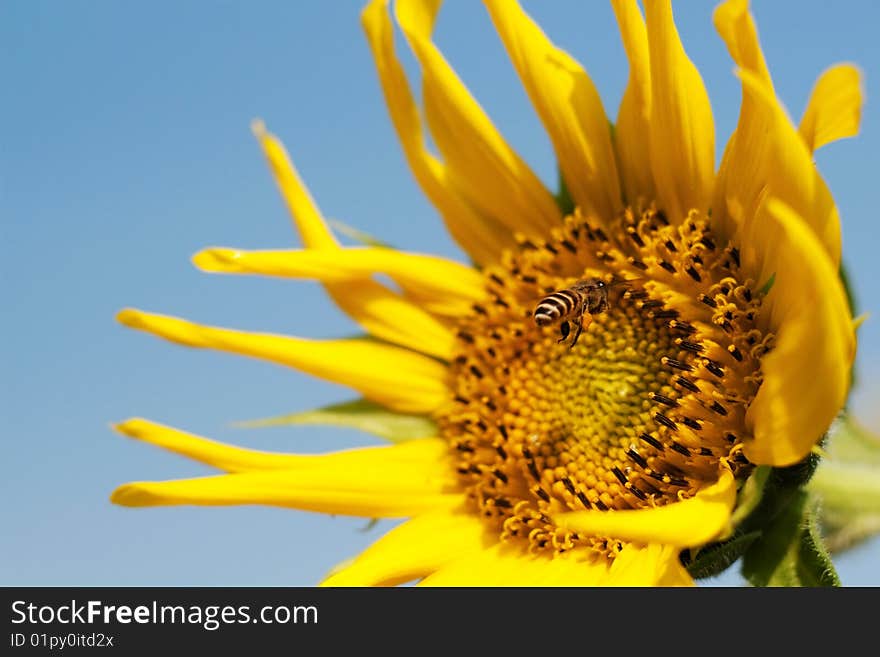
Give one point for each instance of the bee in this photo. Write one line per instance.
(574, 305)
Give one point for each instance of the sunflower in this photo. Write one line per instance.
(696, 323)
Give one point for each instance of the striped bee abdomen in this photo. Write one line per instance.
(556, 307)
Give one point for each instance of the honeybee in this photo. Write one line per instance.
(574, 305)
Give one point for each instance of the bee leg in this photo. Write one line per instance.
(564, 328)
(584, 322)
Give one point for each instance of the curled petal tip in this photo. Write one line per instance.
(130, 317)
(215, 259)
(258, 128)
(133, 427)
(127, 495)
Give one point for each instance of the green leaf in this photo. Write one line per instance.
(718, 557)
(843, 531)
(357, 414)
(851, 441)
(852, 487)
(848, 485)
(356, 234)
(790, 552)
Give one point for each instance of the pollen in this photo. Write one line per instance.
(640, 412)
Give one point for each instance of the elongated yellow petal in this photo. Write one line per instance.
(414, 549)
(787, 172)
(307, 217)
(442, 286)
(569, 106)
(834, 110)
(482, 166)
(510, 565)
(380, 311)
(423, 453)
(342, 483)
(735, 24)
(742, 175)
(806, 375)
(765, 156)
(654, 565)
(682, 135)
(387, 315)
(634, 116)
(482, 236)
(688, 523)
(400, 379)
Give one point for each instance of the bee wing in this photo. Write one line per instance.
(625, 281)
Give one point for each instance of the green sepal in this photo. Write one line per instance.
(853, 309)
(357, 234)
(563, 197)
(782, 485)
(766, 287)
(370, 524)
(790, 552)
(357, 414)
(761, 499)
(847, 288)
(714, 558)
(750, 494)
(718, 557)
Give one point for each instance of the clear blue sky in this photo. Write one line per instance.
(126, 148)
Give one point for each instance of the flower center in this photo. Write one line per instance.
(639, 409)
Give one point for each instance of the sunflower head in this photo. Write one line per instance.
(641, 410)
(600, 385)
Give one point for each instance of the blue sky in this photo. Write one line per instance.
(126, 148)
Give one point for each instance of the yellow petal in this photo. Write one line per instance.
(309, 221)
(687, 523)
(380, 311)
(834, 110)
(487, 173)
(742, 175)
(806, 375)
(357, 482)
(633, 118)
(765, 156)
(388, 316)
(441, 286)
(651, 565)
(423, 453)
(734, 23)
(682, 135)
(400, 379)
(510, 565)
(782, 168)
(485, 170)
(569, 106)
(482, 236)
(414, 549)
